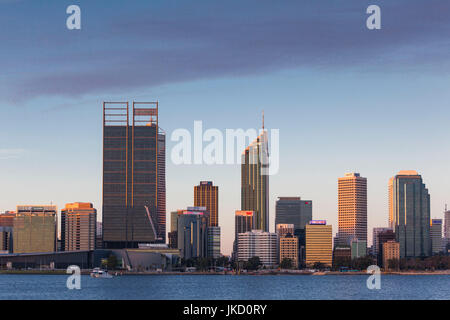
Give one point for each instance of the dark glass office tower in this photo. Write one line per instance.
(161, 205)
(131, 185)
(293, 210)
(411, 214)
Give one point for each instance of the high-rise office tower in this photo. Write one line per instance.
(293, 210)
(411, 214)
(436, 236)
(319, 243)
(255, 181)
(35, 229)
(447, 225)
(133, 175)
(258, 243)
(192, 232)
(207, 195)
(161, 196)
(213, 242)
(78, 227)
(375, 240)
(6, 231)
(243, 221)
(352, 208)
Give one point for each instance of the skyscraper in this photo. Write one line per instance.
(293, 210)
(436, 236)
(192, 232)
(352, 208)
(78, 227)
(243, 222)
(447, 225)
(319, 243)
(35, 229)
(6, 231)
(133, 166)
(255, 181)
(161, 196)
(213, 242)
(207, 195)
(411, 214)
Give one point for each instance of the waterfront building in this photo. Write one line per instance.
(258, 243)
(383, 237)
(213, 242)
(35, 229)
(207, 195)
(6, 231)
(133, 175)
(293, 210)
(436, 236)
(243, 221)
(289, 248)
(352, 207)
(410, 202)
(359, 248)
(375, 242)
(342, 255)
(78, 227)
(391, 251)
(447, 226)
(255, 181)
(319, 243)
(192, 232)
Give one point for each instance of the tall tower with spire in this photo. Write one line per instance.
(255, 180)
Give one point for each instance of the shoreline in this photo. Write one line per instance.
(267, 273)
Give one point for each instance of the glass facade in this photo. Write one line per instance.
(411, 214)
(34, 229)
(255, 181)
(130, 178)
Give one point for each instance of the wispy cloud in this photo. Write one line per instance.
(147, 47)
(6, 154)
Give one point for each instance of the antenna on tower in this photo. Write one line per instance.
(263, 120)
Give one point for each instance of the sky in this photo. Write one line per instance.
(343, 97)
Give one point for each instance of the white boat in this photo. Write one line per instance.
(100, 273)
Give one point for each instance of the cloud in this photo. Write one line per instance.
(146, 48)
(6, 154)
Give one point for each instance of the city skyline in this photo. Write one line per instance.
(327, 83)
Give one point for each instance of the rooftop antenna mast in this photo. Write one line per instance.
(263, 120)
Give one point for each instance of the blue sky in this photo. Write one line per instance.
(344, 98)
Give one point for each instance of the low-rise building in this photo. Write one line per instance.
(258, 243)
